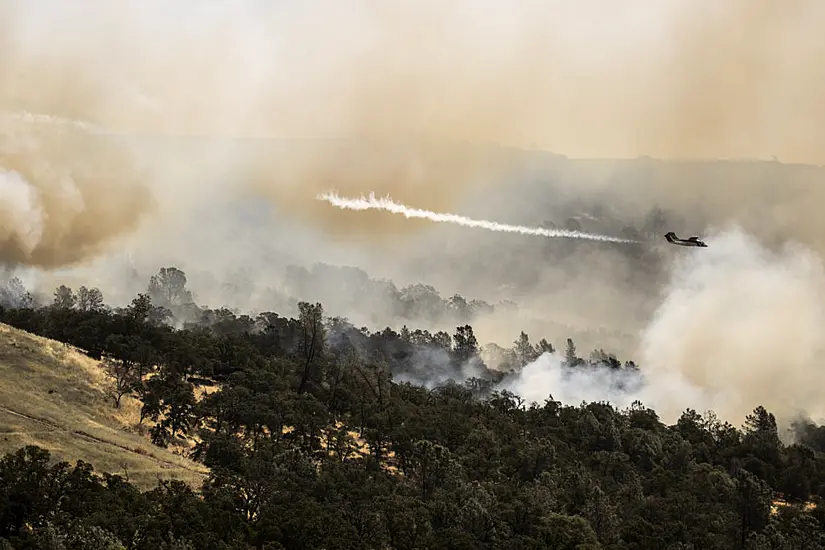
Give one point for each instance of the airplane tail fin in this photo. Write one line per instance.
(670, 235)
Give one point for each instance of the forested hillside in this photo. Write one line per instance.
(320, 434)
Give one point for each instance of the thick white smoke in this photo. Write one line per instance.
(388, 205)
(547, 377)
(739, 326)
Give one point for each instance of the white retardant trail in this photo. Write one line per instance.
(373, 203)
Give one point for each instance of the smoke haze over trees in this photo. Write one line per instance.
(320, 434)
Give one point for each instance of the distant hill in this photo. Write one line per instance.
(53, 396)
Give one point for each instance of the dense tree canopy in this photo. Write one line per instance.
(318, 436)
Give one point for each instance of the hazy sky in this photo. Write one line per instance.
(585, 78)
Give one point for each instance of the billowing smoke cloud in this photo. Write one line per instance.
(745, 323)
(62, 197)
(387, 204)
(547, 377)
(22, 212)
(412, 82)
(739, 326)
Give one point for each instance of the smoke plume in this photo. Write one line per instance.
(739, 326)
(387, 204)
(62, 197)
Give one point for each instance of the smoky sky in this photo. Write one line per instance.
(411, 83)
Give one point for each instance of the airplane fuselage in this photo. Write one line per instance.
(692, 241)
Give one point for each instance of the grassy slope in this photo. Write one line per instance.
(54, 396)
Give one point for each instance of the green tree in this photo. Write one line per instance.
(141, 310)
(312, 339)
(465, 344)
(89, 299)
(15, 295)
(523, 351)
(168, 288)
(544, 347)
(571, 359)
(123, 375)
(565, 532)
(64, 298)
(754, 504)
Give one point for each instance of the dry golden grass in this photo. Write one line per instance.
(53, 396)
(778, 503)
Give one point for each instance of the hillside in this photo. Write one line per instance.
(53, 396)
(318, 434)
